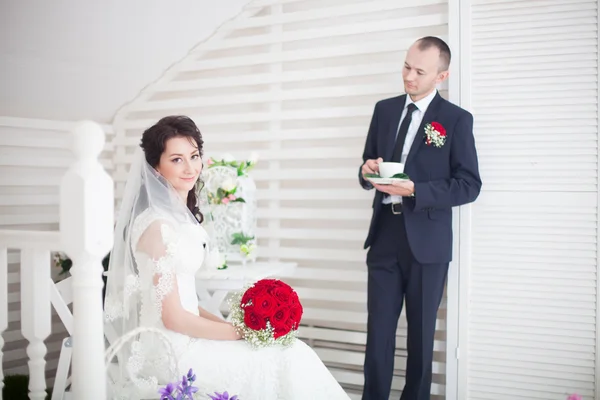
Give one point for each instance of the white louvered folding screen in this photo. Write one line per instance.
(532, 302)
(296, 81)
(34, 155)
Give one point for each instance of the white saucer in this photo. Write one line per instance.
(385, 181)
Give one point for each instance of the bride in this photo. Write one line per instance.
(159, 246)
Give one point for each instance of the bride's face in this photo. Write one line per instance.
(180, 164)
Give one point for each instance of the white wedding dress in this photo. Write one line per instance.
(175, 251)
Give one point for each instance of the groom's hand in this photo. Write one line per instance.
(371, 166)
(404, 188)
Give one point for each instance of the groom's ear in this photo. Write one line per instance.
(442, 76)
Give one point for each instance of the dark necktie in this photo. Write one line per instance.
(397, 155)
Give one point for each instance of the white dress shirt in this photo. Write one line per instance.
(417, 118)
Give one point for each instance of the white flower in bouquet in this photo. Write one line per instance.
(228, 185)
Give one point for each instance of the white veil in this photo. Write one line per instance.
(145, 188)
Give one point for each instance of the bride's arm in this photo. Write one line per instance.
(209, 315)
(155, 242)
(177, 319)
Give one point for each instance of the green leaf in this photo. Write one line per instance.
(224, 266)
(237, 238)
(240, 238)
(239, 200)
(371, 176)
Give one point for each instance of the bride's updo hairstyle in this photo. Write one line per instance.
(154, 141)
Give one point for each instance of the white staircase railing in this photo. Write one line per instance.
(86, 232)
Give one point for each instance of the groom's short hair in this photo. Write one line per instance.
(431, 41)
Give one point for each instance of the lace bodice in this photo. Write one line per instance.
(170, 251)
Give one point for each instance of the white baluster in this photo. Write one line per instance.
(86, 224)
(35, 315)
(3, 307)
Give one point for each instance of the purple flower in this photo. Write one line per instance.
(189, 391)
(182, 390)
(186, 384)
(168, 392)
(575, 396)
(222, 396)
(191, 376)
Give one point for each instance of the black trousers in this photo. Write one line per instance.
(395, 276)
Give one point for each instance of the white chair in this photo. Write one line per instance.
(130, 389)
(61, 297)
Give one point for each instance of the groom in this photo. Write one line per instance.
(410, 236)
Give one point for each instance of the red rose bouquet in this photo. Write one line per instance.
(267, 313)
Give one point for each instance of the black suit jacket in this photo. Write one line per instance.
(444, 177)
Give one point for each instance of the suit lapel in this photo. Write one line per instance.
(393, 129)
(429, 117)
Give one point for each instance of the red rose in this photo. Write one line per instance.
(253, 320)
(293, 326)
(264, 304)
(283, 330)
(438, 127)
(282, 294)
(294, 299)
(296, 312)
(252, 293)
(279, 321)
(248, 295)
(269, 284)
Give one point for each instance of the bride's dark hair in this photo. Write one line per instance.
(154, 141)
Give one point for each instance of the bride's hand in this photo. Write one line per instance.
(238, 335)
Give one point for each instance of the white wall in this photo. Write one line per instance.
(70, 60)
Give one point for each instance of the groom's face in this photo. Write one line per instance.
(421, 72)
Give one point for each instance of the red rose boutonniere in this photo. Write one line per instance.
(435, 134)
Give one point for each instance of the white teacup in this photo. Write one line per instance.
(389, 169)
